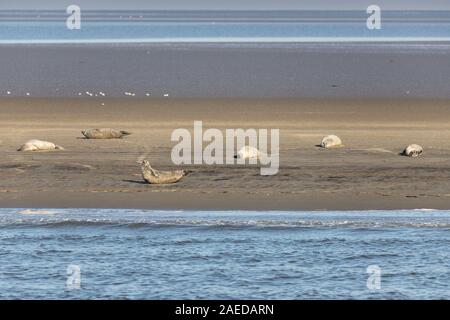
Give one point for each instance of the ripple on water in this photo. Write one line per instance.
(133, 254)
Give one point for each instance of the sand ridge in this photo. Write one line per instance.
(367, 173)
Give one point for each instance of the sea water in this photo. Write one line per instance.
(225, 54)
(147, 254)
(222, 26)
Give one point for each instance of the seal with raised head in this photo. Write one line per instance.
(331, 141)
(153, 176)
(104, 133)
(39, 145)
(413, 150)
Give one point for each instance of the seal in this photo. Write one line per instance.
(413, 150)
(104, 133)
(331, 141)
(248, 152)
(39, 145)
(153, 176)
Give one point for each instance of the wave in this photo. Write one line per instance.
(234, 224)
(135, 219)
(37, 212)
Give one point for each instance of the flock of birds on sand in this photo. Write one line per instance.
(96, 94)
(154, 176)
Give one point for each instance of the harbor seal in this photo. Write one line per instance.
(248, 152)
(104, 133)
(153, 176)
(413, 150)
(39, 145)
(331, 141)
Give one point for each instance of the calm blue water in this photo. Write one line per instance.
(173, 26)
(130, 254)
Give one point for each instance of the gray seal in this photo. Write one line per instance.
(153, 176)
(104, 133)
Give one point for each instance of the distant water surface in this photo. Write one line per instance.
(221, 26)
(225, 54)
(131, 254)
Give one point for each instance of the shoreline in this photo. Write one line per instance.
(261, 204)
(366, 174)
(237, 40)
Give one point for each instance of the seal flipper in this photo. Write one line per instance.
(125, 133)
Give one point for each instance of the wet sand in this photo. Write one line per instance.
(229, 70)
(367, 173)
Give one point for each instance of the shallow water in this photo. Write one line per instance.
(131, 254)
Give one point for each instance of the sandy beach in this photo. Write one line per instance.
(367, 173)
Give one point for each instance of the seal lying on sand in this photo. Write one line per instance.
(160, 177)
(413, 150)
(248, 152)
(38, 145)
(104, 133)
(331, 141)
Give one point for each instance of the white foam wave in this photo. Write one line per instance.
(37, 212)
